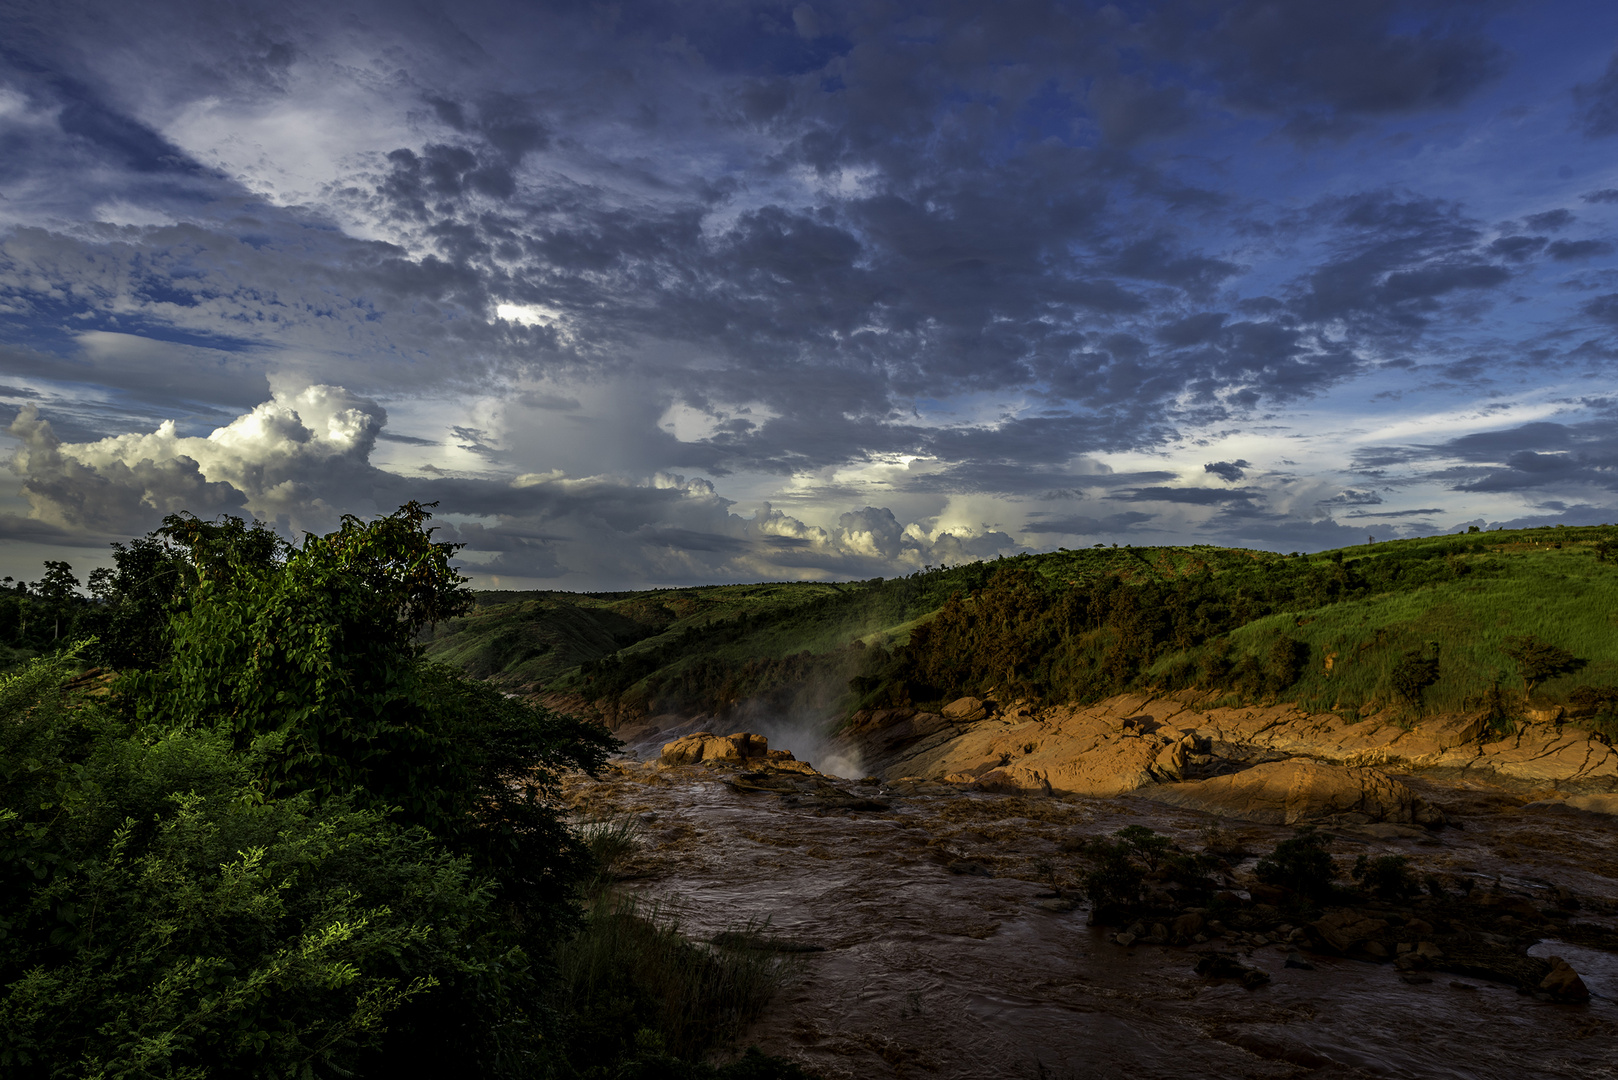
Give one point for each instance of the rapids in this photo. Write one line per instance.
(933, 967)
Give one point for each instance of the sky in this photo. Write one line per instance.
(657, 294)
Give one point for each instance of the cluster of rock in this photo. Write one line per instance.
(1481, 937)
(740, 748)
(1276, 765)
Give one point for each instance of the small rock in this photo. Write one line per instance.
(1549, 714)
(1126, 938)
(1187, 926)
(1429, 950)
(1461, 986)
(1343, 929)
(1563, 983)
(1218, 966)
(1269, 894)
(969, 868)
(1414, 978)
(1298, 960)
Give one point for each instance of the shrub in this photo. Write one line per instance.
(1387, 877)
(1300, 863)
(162, 916)
(1413, 674)
(1288, 659)
(1113, 882)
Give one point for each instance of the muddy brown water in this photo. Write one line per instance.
(927, 971)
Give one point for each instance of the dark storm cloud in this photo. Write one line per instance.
(993, 240)
(1604, 308)
(1228, 471)
(1517, 248)
(1544, 456)
(1597, 103)
(1400, 258)
(1386, 515)
(1327, 68)
(1568, 250)
(1550, 220)
(1190, 496)
(1079, 525)
(1352, 497)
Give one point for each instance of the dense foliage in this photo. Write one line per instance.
(280, 842)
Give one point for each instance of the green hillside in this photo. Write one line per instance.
(1424, 624)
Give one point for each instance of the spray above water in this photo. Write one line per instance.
(809, 734)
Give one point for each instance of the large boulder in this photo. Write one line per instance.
(966, 710)
(704, 746)
(1293, 792)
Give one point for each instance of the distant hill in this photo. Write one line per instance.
(1424, 624)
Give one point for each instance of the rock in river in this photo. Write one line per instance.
(1292, 792)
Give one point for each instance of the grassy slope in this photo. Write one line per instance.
(534, 639)
(1510, 583)
(1520, 586)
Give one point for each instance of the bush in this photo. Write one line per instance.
(1413, 674)
(162, 916)
(1113, 882)
(1301, 864)
(290, 844)
(1387, 877)
(1289, 658)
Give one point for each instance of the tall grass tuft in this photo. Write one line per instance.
(631, 972)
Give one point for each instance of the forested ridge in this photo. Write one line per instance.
(1425, 624)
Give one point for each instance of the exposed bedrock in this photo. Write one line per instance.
(1234, 762)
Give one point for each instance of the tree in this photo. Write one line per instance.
(148, 582)
(1413, 674)
(58, 589)
(164, 918)
(292, 816)
(1538, 660)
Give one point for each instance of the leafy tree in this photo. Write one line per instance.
(299, 832)
(58, 589)
(313, 651)
(1538, 660)
(1387, 877)
(1289, 657)
(162, 917)
(1300, 863)
(147, 583)
(1413, 674)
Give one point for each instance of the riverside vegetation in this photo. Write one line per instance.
(249, 829)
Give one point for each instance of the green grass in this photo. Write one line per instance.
(630, 971)
(1563, 596)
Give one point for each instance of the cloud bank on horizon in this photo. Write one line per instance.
(672, 293)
